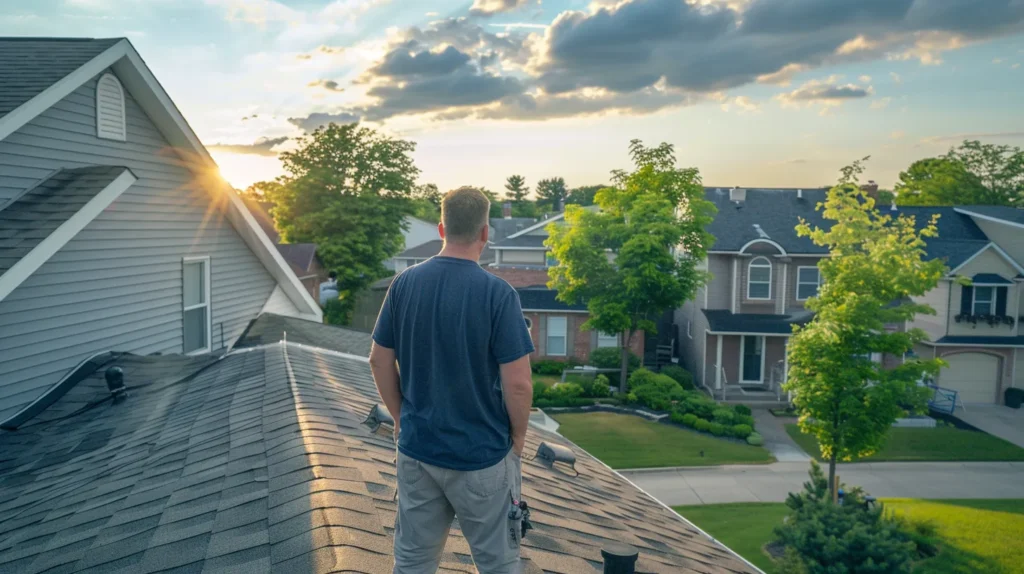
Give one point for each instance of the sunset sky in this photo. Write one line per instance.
(752, 92)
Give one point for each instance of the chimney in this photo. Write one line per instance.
(561, 205)
(871, 190)
(506, 210)
(619, 558)
(737, 194)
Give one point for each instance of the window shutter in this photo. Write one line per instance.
(966, 299)
(1001, 301)
(110, 121)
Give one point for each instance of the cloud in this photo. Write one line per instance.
(312, 122)
(898, 134)
(1015, 66)
(896, 79)
(864, 79)
(492, 7)
(262, 146)
(982, 136)
(329, 85)
(826, 92)
(743, 104)
(407, 60)
(520, 25)
(881, 103)
(997, 60)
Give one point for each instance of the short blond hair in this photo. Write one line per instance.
(464, 214)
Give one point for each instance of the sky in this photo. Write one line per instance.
(754, 93)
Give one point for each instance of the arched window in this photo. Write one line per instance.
(110, 122)
(759, 278)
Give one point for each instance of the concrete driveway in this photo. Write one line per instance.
(772, 482)
(996, 420)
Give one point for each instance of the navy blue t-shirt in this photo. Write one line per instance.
(451, 325)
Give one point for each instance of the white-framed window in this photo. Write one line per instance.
(808, 279)
(759, 278)
(556, 338)
(984, 300)
(110, 120)
(606, 340)
(196, 323)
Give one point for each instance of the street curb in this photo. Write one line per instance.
(711, 467)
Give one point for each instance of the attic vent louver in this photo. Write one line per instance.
(115, 383)
(549, 454)
(378, 415)
(110, 122)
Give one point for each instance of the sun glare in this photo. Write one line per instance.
(243, 170)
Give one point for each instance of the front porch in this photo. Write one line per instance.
(749, 367)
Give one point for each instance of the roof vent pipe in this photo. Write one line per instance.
(619, 558)
(737, 194)
(799, 194)
(115, 383)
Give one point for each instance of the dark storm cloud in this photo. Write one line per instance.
(310, 123)
(467, 87)
(262, 146)
(789, 16)
(407, 60)
(829, 92)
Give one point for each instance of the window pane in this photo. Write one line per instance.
(806, 290)
(195, 290)
(763, 274)
(556, 326)
(604, 340)
(195, 329)
(556, 335)
(809, 275)
(759, 291)
(556, 345)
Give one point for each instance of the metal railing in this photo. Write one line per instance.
(777, 378)
(944, 400)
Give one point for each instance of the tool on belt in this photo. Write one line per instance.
(520, 511)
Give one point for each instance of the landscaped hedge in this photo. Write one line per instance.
(611, 358)
(680, 375)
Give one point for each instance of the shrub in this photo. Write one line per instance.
(724, 416)
(548, 367)
(828, 537)
(700, 405)
(680, 375)
(676, 417)
(563, 402)
(702, 425)
(611, 358)
(742, 410)
(690, 420)
(539, 389)
(741, 431)
(598, 388)
(755, 439)
(744, 420)
(564, 391)
(655, 391)
(718, 429)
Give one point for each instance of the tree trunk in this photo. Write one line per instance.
(832, 486)
(624, 367)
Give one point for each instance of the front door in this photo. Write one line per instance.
(753, 359)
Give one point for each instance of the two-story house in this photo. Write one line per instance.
(733, 335)
(116, 231)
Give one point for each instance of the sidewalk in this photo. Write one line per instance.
(772, 482)
(776, 440)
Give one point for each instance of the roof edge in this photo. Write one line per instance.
(59, 389)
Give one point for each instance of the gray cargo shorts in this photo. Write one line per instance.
(429, 498)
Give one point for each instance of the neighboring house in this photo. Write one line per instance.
(421, 253)
(417, 233)
(301, 257)
(734, 334)
(263, 461)
(115, 230)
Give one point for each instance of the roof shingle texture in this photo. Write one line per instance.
(724, 321)
(30, 65)
(545, 300)
(30, 218)
(269, 328)
(260, 463)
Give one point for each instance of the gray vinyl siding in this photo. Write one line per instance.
(117, 285)
(720, 287)
(691, 350)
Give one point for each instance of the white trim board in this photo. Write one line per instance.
(743, 249)
(537, 225)
(42, 253)
(967, 211)
(139, 81)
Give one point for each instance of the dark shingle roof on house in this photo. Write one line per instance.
(30, 218)
(432, 248)
(505, 227)
(1011, 214)
(30, 65)
(270, 328)
(542, 299)
(980, 340)
(522, 241)
(259, 462)
(724, 321)
(991, 279)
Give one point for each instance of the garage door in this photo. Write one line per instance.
(974, 375)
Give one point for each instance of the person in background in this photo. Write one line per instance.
(462, 404)
(329, 289)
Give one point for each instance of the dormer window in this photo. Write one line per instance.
(110, 122)
(983, 300)
(759, 278)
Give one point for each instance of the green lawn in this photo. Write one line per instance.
(627, 441)
(548, 380)
(935, 444)
(978, 536)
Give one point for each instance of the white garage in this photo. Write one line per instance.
(974, 375)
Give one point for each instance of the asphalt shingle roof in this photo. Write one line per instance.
(505, 227)
(544, 299)
(991, 278)
(271, 328)
(1011, 214)
(980, 340)
(522, 241)
(30, 218)
(260, 462)
(432, 248)
(30, 65)
(724, 321)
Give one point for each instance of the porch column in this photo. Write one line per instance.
(718, 364)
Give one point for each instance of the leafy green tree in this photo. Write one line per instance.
(347, 189)
(426, 203)
(825, 538)
(971, 174)
(495, 211)
(516, 189)
(639, 254)
(583, 195)
(844, 398)
(260, 191)
(940, 181)
(551, 192)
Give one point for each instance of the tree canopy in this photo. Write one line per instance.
(845, 398)
(639, 255)
(516, 189)
(347, 189)
(583, 195)
(971, 174)
(551, 192)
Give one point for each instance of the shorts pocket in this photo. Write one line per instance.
(410, 471)
(488, 481)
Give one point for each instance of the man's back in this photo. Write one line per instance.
(451, 325)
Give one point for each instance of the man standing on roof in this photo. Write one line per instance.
(462, 404)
